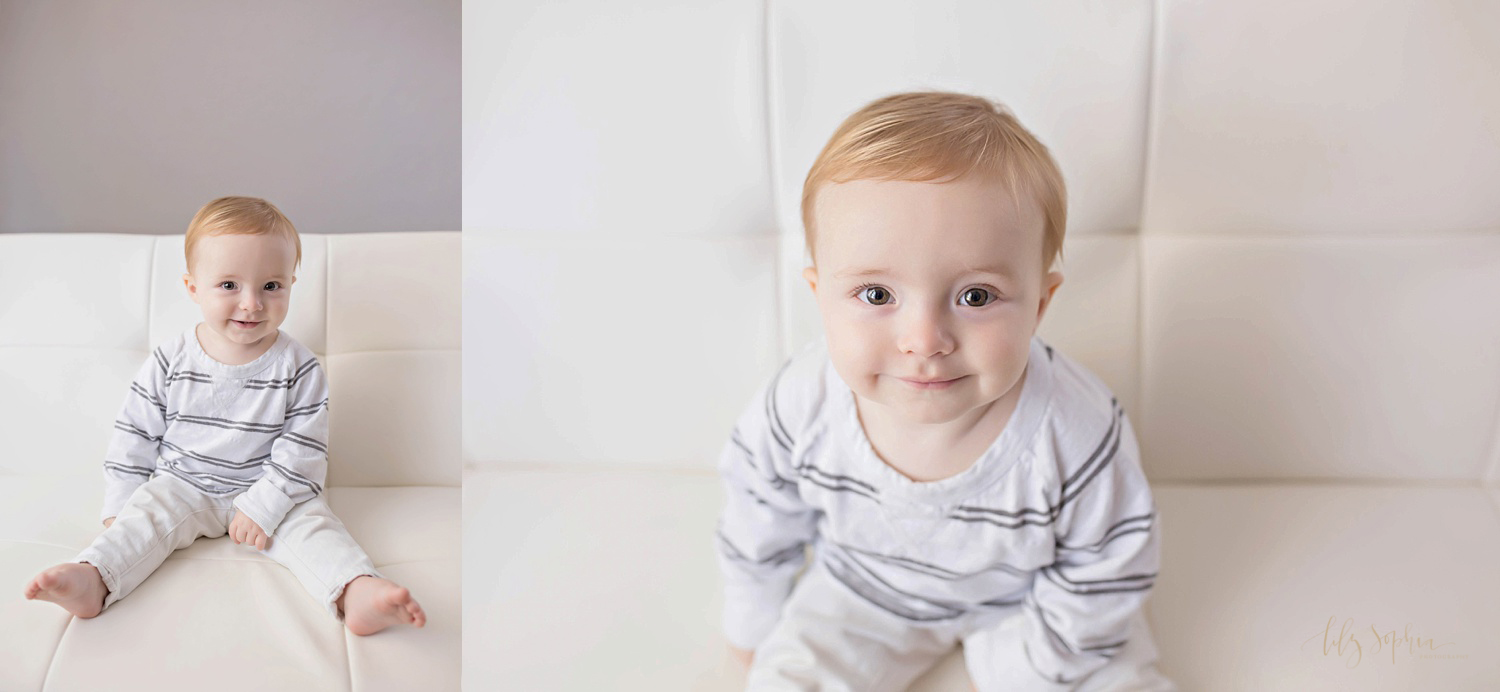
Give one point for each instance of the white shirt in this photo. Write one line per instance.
(1055, 519)
(259, 430)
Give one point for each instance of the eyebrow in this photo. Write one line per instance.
(997, 270)
(237, 277)
(850, 273)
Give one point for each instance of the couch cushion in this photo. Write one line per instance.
(1252, 574)
(215, 598)
(636, 382)
(619, 564)
(1303, 358)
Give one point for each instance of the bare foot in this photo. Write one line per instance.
(371, 604)
(76, 586)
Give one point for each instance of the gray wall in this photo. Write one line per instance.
(128, 116)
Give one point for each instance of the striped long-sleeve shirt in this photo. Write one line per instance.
(258, 430)
(1055, 519)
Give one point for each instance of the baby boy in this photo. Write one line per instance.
(225, 430)
(958, 480)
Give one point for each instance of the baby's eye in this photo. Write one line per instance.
(228, 285)
(272, 286)
(875, 295)
(976, 297)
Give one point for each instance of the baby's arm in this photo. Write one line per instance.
(299, 456)
(136, 443)
(765, 526)
(1108, 553)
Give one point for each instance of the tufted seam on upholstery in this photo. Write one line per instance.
(778, 213)
(151, 293)
(348, 657)
(1491, 477)
(328, 244)
(1140, 333)
(51, 662)
(1153, 77)
(773, 133)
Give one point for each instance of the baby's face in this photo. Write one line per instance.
(243, 284)
(930, 292)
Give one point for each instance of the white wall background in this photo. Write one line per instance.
(128, 116)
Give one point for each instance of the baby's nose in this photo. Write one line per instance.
(926, 334)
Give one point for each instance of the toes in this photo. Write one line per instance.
(397, 598)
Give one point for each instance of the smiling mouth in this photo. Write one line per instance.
(930, 384)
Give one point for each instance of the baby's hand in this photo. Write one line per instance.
(242, 530)
(108, 521)
(744, 656)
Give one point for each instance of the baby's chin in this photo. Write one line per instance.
(925, 408)
(247, 337)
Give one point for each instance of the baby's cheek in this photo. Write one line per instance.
(1002, 342)
(843, 343)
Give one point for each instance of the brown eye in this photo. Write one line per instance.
(976, 297)
(875, 295)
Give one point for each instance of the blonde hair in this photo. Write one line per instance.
(239, 215)
(942, 136)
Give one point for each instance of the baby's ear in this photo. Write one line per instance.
(1049, 289)
(810, 274)
(192, 287)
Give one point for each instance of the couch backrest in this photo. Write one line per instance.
(1284, 242)
(79, 313)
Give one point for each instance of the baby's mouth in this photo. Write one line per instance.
(245, 325)
(930, 383)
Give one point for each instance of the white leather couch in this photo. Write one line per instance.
(78, 314)
(1283, 255)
